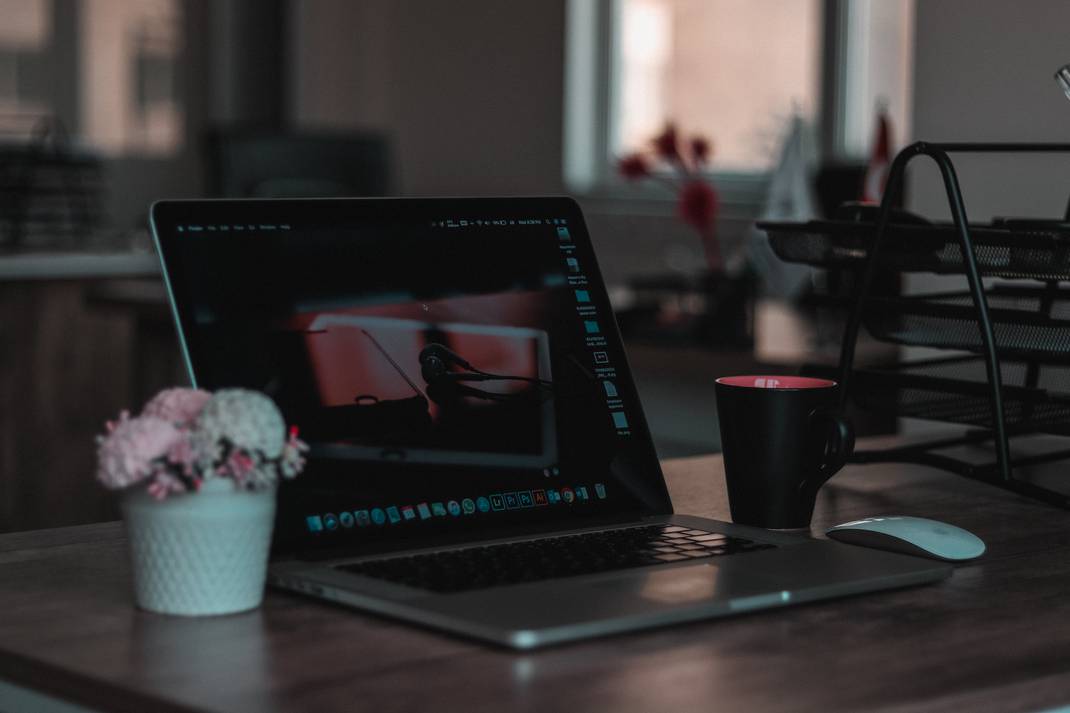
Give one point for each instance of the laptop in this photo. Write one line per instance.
(480, 463)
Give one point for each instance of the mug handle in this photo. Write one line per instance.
(839, 442)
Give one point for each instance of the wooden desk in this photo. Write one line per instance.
(994, 637)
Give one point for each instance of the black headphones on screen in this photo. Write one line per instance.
(435, 363)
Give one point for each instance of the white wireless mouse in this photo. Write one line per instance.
(912, 536)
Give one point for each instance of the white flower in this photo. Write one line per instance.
(248, 420)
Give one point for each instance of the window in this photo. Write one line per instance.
(130, 54)
(735, 71)
(25, 35)
(696, 62)
(124, 97)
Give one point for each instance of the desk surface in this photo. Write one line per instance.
(994, 637)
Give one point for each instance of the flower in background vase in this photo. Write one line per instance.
(700, 150)
(178, 405)
(666, 144)
(633, 167)
(698, 205)
(696, 198)
(133, 448)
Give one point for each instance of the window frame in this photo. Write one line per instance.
(592, 33)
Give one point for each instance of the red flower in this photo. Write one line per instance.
(698, 205)
(665, 143)
(633, 166)
(700, 150)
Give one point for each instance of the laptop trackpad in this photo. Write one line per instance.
(700, 583)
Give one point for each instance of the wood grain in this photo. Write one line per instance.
(73, 353)
(994, 637)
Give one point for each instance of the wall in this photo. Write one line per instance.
(471, 93)
(983, 72)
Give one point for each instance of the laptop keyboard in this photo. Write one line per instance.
(553, 557)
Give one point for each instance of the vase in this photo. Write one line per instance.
(200, 554)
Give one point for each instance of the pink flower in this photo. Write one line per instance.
(178, 405)
(132, 449)
(164, 483)
(238, 466)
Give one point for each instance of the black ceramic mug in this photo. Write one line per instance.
(782, 439)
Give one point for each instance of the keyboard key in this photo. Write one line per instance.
(708, 537)
(670, 558)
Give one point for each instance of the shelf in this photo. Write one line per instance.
(1027, 322)
(956, 390)
(1038, 250)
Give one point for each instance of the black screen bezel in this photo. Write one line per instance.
(166, 215)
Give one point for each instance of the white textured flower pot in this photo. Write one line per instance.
(200, 554)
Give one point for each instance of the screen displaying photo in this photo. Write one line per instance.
(435, 364)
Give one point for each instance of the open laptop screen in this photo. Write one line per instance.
(454, 363)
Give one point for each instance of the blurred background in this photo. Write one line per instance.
(108, 105)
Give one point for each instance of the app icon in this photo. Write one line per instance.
(482, 504)
(591, 326)
(497, 501)
(393, 514)
(539, 496)
(600, 491)
(468, 505)
(619, 419)
(583, 296)
(573, 264)
(611, 389)
(581, 493)
(454, 507)
(424, 510)
(526, 501)
(562, 235)
(552, 496)
(408, 512)
(567, 495)
(346, 518)
(438, 509)
(511, 501)
(601, 358)
(378, 516)
(330, 521)
(314, 523)
(362, 518)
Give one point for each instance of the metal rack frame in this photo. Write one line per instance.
(1001, 473)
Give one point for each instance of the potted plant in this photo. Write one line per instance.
(197, 473)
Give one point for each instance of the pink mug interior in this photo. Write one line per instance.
(786, 383)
